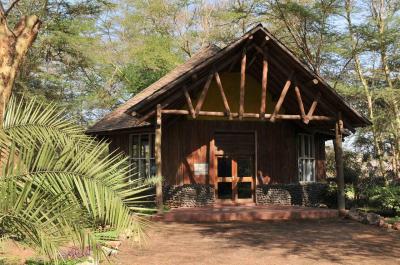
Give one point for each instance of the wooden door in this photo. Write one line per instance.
(235, 166)
(235, 178)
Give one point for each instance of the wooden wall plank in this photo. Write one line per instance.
(276, 158)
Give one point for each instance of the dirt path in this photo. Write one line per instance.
(292, 242)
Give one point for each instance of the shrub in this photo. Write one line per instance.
(351, 166)
(385, 197)
(330, 195)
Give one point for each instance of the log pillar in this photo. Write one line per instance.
(339, 163)
(157, 149)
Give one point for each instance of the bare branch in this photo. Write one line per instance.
(2, 10)
(12, 5)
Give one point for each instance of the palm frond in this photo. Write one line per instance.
(59, 185)
(33, 122)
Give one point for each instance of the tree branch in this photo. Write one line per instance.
(12, 5)
(2, 9)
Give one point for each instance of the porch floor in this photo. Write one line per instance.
(246, 213)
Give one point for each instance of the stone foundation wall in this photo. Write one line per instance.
(199, 195)
(189, 195)
(309, 194)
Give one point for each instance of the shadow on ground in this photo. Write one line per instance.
(329, 241)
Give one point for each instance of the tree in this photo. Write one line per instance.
(371, 43)
(57, 184)
(14, 44)
(367, 90)
(147, 39)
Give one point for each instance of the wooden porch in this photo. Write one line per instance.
(246, 213)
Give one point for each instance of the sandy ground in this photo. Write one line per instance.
(332, 241)
(13, 253)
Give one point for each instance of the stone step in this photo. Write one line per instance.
(246, 213)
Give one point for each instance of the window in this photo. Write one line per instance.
(224, 167)
(245, 167)
(306, 157)
(142, 155)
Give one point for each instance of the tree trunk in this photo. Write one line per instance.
(158, 151)
(339, 164)
(358, 68)
(14, 44)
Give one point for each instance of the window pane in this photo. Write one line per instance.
(312, 170)
(148, 168)
(306, 163)
(244, 190)
(144, 146)
(245, 167)
(135, 146)
(224, 167)
(142, 154)
(135, 169)
(152, 145)
(308, 170)
(142, 168)
(301, 170)
(224, 190)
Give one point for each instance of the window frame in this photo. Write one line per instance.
(148, 159)
(305, 157)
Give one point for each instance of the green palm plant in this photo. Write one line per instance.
(58, 185)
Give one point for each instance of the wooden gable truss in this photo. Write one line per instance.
(196, 111)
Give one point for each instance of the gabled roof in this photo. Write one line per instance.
(200, 65)
(121, 119)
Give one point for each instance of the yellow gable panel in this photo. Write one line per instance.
(231, 85)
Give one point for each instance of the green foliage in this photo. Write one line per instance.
(150, 62)
(329, 196)
(351, 165)
(59, 185)
(385, 197)
(63, 64)
(65, 262)
(393, 220)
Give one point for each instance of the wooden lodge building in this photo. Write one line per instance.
(246, 123)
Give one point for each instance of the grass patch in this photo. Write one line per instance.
(393, 220)
(65, 262)
(377, 210)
